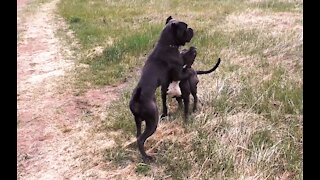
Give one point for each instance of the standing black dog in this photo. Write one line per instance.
(189, 86)
(163, 61)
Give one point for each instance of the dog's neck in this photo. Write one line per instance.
(165, 43)
(169, 45)
(173, 46)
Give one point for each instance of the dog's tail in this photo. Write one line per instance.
(137, 94)
(210, 70)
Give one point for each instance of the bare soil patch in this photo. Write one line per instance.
(57, 132)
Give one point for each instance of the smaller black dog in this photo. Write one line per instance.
(189, 86)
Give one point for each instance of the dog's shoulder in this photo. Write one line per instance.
(168, 55)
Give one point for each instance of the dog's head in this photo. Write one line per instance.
(189, 55)
(176, 32)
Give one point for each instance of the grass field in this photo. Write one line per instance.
(249, 123)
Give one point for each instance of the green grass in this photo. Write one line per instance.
(94, 21)
(176, 165)
(276, 94)
(119, 59)
(278, 5)
(123, 119)
(249, 122)
(261, 139)
(118, 155)
(143, 168)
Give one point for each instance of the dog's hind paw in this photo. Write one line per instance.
(147, 159)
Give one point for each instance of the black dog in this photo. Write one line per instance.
(163, 61)
(189, 86)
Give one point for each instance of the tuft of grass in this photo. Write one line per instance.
(143, 169)
(261, 139)
(176, 165)
(118, 156)
(74, 19)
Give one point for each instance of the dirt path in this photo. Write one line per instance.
(57, 135)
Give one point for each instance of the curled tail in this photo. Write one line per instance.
(210, 70)
(136, 95)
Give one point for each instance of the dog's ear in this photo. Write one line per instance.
(190, 34)
(168, 19)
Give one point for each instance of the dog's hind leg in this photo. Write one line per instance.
(186, 106)
(138, 125)
(195, 100)
(193, 90)
(151, 126)
(179, 100)
(150, 129)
